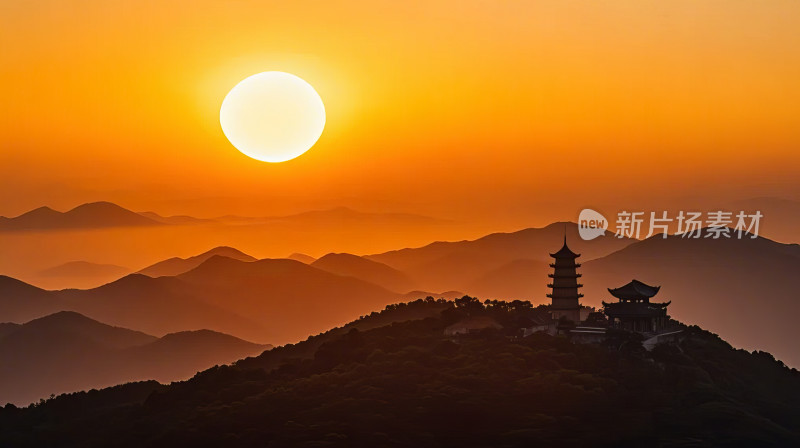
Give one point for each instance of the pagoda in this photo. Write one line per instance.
(565, 297)
(633, 311)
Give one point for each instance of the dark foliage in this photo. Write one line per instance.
(407, 385)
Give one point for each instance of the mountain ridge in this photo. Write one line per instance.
(85, 216)
(365, 269)
(67, 351)
(443, 265)
(176, 265)
(82, 268)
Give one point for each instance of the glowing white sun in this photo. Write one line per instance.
(272, 116)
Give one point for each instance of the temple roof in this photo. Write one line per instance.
(635, 290)
(634, 309)
(635, 305)
(565, 252)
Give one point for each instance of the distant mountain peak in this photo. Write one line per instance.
(100, 205)
(61, 317)
(42, 209)
(204, 337)
(303, 258)
(176, 266)
(218, 264)
(135, 279)
(227, 251)
(90, 215)
(219, 260)
(340, 255)
(81, 269)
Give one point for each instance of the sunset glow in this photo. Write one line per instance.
(416, 87)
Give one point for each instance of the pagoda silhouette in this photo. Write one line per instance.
(565, 307)
(632, 312)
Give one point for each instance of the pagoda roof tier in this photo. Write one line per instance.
(635, 290)
(568, 266)
(565, 251)
(576, 285)
(569, 275)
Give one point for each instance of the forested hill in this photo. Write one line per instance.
(406, 384)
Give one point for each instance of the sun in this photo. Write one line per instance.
(272, 116)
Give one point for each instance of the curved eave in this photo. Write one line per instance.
(564, 252)
(634, 290)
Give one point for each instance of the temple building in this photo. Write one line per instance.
(634, 311)
(565, 298)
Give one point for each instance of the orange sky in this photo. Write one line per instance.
(458, 109)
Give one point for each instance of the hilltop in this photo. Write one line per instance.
(176, 265)
(394, 379)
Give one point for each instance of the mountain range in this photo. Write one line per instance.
(67, 352)
(86, 216)
(289, 298)
(82, 274)
(106, 234)
(396, 379)
(272, 300)
(103, 214)
(84, 269)
(741, 288)
(457, 265)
